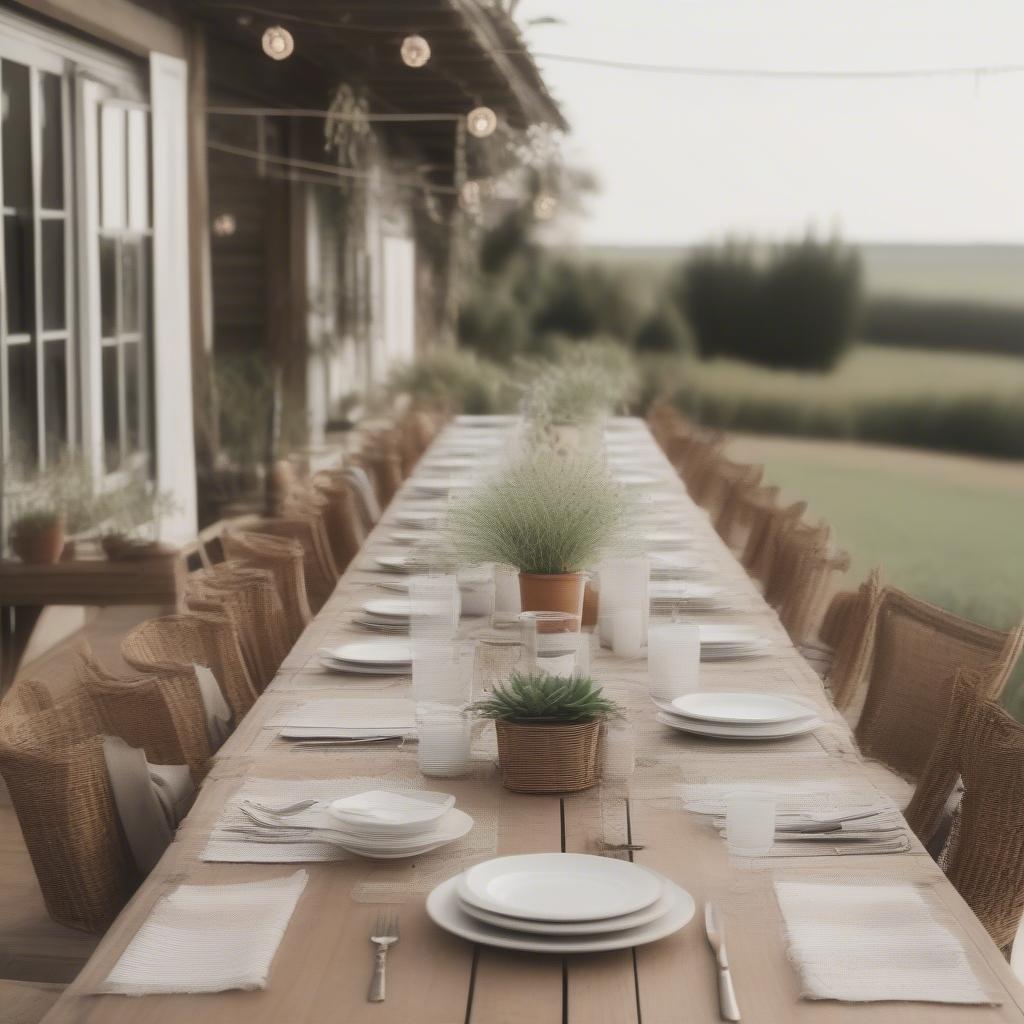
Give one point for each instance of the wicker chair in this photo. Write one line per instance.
(384, 465)
(699, 465)
(173, 643)
(345, 531)
(917, 649)
(848, 630)
(364, 493)
(983, 747)
(321, 574)
(52, 761)
(285, 560)
(160, 713)
(768, 524)
(249, 598)
(733, 479)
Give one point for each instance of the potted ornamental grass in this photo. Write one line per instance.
(37, 536)
(548, 730)
(549, 515)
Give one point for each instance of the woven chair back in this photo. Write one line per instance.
(160, 713)
(285, 559)
(365, 494)
(52, 762)
(733, 479)
(306, 526)
(983, 747)
(345, 529)
(802, 579)
(249, 598)
(917, 650)
(174, 643)
(848, 627)
(700, 463)
(768, 523)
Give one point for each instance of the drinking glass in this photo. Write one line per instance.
(552, 641)
(750, 822)
(673, 659)
(433, 607)
(442, 672)
(628, 632)
(507, 604)
(476, 587)
(445, 739)
(623, 584)
(496, 659)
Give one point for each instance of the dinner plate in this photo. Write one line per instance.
(395, 812)
(440, 485)
(452, 827)
(739, 708)
(395, 563)
(716, 730)
(636, 479)
(559, 886)
(363, 670)
(395, 608)
(444, 910)
(658, 908)
(378, 653)
(733, 653)
(419, 519)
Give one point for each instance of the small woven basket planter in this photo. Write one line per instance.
(548, 758)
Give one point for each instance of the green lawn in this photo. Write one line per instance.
(947, 528)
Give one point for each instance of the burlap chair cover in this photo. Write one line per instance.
(983, 746)
(160, 713)
(285, 559)
(917, 650)
(249, 598)
(173, 643)
(52, 761)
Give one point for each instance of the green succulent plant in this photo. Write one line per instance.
(537, 697)
(546, 513)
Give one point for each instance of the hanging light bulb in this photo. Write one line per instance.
(544, 206)
(481, 122)
(415, 51)
(469, 196)
(224, 225)
(278, 42)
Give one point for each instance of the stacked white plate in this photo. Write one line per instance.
(397, 563)
(672, 539)
(440, 485)
(411, 538)
(419, 519)
(677, 565)
(691, 597)
(560, 903)
(724, 642)
(369, 658)
(385, 615)
(389, 825)
(745, 716)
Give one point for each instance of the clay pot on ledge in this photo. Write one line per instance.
(38, 543)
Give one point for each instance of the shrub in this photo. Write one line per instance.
(582, 300)
(664, 330)
(493, 324)
(796, 307)
(456, 380)
(945, 324)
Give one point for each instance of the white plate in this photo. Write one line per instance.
(395, 563)
(733, 654)
(727, 634)
(740, 708)
(676, 590)
(362, 670)
(440, 484)
(559, 886)
(453, 826)
(739, 732)
(374, 653)
(636, 479)
(419, 519)
(657, 909)
(396, 812)
(394, 608)
(444, 910)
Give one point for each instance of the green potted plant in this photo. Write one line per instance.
(37, 535)
(548, 730)
(549, 515)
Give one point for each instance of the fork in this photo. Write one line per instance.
(385, 934)
(285, 809)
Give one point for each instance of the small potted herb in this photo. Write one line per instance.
(550, 516)
(548, 728)
(37, 536)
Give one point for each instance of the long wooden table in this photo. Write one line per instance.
(323, 967)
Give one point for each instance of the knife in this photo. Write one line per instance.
(727, 1005)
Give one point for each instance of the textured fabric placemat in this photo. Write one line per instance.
(208, 938)
(867, 943)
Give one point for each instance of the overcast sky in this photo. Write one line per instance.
(681, 159)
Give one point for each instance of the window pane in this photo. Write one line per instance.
(111, 418)
(51, 142)
(55, 398)
(18, 273)
(108, 287)
(138, 169)
(113, 213)
(17, 162)
(52, 283)
(131, 281)
(132, 389)
(21, 387)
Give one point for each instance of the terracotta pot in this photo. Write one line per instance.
(590, 605)
(39, 546)
(548, 758)
(557, 592)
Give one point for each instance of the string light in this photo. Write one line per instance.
(481, 122)
(469, 196)
(278, 43)
(415, 51)
(224, 225)
(544, 206)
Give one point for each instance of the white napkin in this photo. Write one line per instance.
(346, 718)
(865, 943)
(208, 938)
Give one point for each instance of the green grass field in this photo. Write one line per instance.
(945, 527)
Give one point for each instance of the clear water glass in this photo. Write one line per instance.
(750, 822)
(507, 603)
(673, 659)
(476, 588)
(623, 584)
(552, 641)
(442, 672)
(445, 735)
(433, 607)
